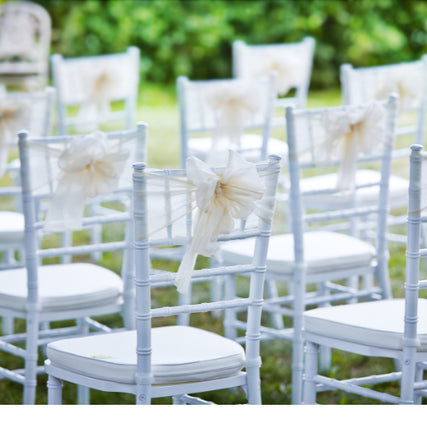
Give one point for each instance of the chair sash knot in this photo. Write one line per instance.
(220, 200)
(89, 167)
(352, 133)
(233, 106)
(407, 86)
(100, 87)
(288, 71)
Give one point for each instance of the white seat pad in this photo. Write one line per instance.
(398, 190)
(61, 286)
(324, 251)
(377, 323)
(180, 354)
(11, 227)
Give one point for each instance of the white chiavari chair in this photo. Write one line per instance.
(177, 360)
(393, 328)
(325, 248)
(58, 176)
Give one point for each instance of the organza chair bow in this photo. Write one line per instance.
(288, 69)
(405, 84)
(89, 167)
(220, 199)
(14, 116)
(234, 106)
(101, 85)
(349, 134)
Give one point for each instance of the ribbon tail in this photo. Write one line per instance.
(347, 170)
(87, 117)
(65, 211)
(185, 271)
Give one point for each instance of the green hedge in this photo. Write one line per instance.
(194, 37)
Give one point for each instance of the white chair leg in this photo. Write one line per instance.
(419, 374)
(311, 354)
(325, 352)
(54, 391)
(298, 343)
(83, 395)
(31, 358)
(253, 391)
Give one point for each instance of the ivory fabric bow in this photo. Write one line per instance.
(14, 116)
(233, 104)
(288, 71)
(220, 199)
(350, 133)
(100, 88)
(89, 167)
(406, 85)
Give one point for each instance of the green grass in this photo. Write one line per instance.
(158, 108)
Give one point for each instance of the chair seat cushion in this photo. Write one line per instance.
(61, 287)
(179, 354)
(398, 190)
(376, 323)
(250, 144)
(11, 228)
(324, 251)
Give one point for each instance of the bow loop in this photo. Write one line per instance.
(89, 167)
(220, 200)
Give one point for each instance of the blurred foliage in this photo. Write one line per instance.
(183, 37)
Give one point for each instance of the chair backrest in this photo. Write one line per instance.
(406, 79)
(291, 61)
(87, 87)
(415, 250)
(345, 138)
(224, 110)
(25, 32)
(180, 188)
(61, 176)
(24, 110)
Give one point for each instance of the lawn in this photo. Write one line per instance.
(158, 108)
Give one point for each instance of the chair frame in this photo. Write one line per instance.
(144, 281)
(36, 335)
(412, 363)
(298, 278)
